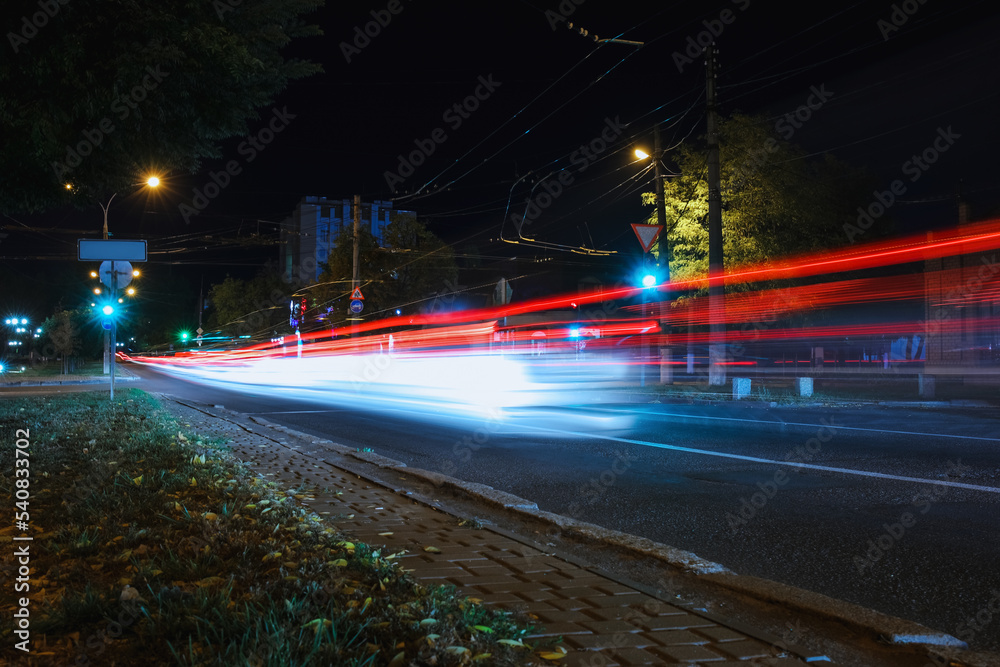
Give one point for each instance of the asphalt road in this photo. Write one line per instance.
(896, 509)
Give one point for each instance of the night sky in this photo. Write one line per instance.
(886, 79)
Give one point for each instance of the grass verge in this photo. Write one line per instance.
(152, 546)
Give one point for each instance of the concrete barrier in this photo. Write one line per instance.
(741, 388)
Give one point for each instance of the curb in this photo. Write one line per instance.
(942, 649)
(876, 625)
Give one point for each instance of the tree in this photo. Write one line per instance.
(413, 265)
(248, 307)
(97, 93)
(63, 333)
(776, 201)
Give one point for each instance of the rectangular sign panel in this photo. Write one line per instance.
(98, 250)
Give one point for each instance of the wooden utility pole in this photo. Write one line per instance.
(716, 286)
(356, 282)
(661, 209)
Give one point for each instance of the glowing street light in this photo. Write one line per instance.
(152, 182)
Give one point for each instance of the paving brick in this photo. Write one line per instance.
(551, 615)
(616, 641)
(544, 608)
(677, 622)
(531, 593)
(676, 637)
(635, 599)
(566, 605)
(627, 657)
(716, 633)
(605, 658)
(580, 592)
(746, 649)
(610, 627)
(556, 629)
(607, 613)
(690, 654)
(611, 588)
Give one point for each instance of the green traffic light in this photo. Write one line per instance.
(108, 310)
(184, 335)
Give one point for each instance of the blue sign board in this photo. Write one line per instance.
(357, 306)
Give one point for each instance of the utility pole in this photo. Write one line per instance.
(356, 280)
(661, 209)
(716, 285)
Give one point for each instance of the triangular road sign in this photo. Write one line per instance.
(356, 294)
(647, 235)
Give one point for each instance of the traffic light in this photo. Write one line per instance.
(107, 316)
(297, 312)
(184, 336)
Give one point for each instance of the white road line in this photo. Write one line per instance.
(811, 466)
(294, 412)
(846, 428)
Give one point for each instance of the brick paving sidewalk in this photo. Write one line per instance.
(602, 622)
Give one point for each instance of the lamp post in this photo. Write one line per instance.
(661, 220)
(661, 209)
(110, 343)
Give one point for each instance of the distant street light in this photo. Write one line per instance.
(152, 182)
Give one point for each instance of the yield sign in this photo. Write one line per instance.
(647, 235)
(356, 294)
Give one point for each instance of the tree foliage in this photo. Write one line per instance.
(248, 307)
(97, 93)
(776, 201)
(63, 332)
(413, 265)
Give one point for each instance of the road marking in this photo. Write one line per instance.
(811, 466)
(293, 412)
(846, 428)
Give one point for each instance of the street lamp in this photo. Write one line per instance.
(109, 328)
(661, 210)
(152, 182)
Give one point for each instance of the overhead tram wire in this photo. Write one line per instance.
(417, 194)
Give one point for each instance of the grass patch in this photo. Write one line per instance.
(154, 546)
(52, 368)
